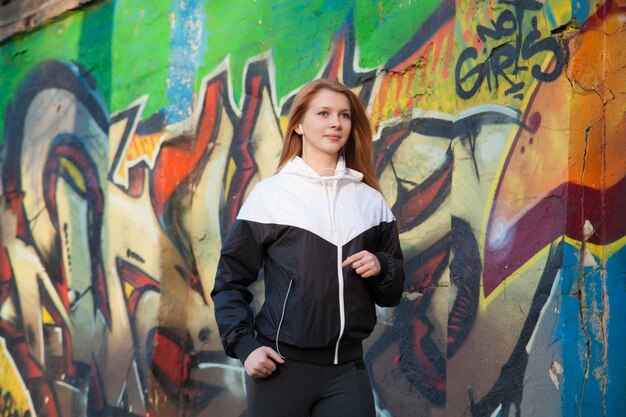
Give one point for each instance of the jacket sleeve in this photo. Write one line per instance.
(386, 287)
(241, 259)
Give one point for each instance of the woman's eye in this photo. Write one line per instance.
(323, 113)
(345, 116)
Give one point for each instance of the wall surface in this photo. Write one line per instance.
(132, 131)
(23, 15)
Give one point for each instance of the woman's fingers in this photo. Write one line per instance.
(364, 263)
(260, 363)
(272, 354)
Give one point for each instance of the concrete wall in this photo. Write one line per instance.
(132, 131)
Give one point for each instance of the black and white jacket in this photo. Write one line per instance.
(298, 227)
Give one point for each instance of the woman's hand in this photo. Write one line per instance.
(259, 363)
(364, 263)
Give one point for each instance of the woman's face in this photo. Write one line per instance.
(325, 126)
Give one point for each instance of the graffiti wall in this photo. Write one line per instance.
(132, 132)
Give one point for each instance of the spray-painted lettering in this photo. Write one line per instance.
(500, 65)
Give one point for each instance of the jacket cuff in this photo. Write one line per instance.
(245, 346)
(384, 268)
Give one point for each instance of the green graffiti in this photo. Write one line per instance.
(125, 46)
(299, 35)
(140, 53)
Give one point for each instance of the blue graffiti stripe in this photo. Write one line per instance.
(188, 43)
(581, 9)
(592, 382)
(616, 360)
(550, 15)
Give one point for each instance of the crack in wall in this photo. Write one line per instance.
(580, 293)
(588, 313)
(607, 97)
(603, 271)
(563, 34)
(420, 65)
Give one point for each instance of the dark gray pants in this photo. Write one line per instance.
(299, 389)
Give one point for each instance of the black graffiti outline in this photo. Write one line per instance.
(503, 60)
(8, 407)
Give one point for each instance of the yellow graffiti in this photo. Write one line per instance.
(421, 80)
(46, 317)
(74, 172)
(144, 147)
(602, 252)
(128, 289)
(231, 172)
(14, 398)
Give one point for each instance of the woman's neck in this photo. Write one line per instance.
(324, 165)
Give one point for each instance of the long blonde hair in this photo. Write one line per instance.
(357, 150)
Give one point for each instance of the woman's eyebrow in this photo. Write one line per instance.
(330, 108)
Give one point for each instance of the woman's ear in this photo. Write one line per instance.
(298, 129)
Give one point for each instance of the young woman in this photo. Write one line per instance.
(328, 246)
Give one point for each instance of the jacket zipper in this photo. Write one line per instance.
(342, 313)
(282, 316)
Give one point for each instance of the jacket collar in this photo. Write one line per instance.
(297, 166)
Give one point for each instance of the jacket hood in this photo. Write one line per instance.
(297, 166)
